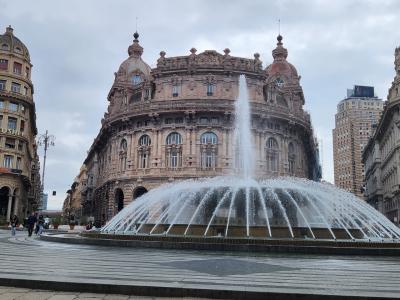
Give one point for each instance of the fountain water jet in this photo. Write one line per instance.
(244, 153)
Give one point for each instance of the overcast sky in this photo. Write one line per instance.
(76, 46)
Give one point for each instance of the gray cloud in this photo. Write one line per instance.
(76, 46)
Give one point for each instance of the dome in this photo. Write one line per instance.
(241, 207)
(281, 66)
(135, 62)
(10, 43)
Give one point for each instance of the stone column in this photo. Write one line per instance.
(9, 208)
(16, 205)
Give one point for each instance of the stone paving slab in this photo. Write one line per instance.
(86, 269)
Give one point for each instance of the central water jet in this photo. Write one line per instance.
(244, 153)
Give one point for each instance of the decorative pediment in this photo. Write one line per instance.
(210, 57)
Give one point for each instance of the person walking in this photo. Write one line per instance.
(14, 222)
(31, 223)
(40, 225)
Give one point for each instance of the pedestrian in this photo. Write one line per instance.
(31, 223)
(14, 222)
(40, 225)
(89, 226)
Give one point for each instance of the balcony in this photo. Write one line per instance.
(10, 171)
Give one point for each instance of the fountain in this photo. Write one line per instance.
(241, 207)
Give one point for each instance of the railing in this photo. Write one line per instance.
(221, 105)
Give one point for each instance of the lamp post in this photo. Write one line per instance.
(45, 140)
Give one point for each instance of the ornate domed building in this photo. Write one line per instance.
(176, 121)
(19, 163)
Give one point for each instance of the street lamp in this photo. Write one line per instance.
(45, 140)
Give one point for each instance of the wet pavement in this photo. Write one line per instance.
(29, 258)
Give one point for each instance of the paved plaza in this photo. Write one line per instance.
(11, 293)
(155, 272)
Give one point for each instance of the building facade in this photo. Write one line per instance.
(19, 170)
(382, 155)
(176, 122)
(72, 206)
(43, 202)
(354, 121)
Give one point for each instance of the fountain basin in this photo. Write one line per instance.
(234, 207)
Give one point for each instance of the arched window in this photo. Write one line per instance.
(123, 145)
(136, 79)
(209, 150)
(272, 155)
(174, 150)
(272, 143)
(144, 140)
(279, 82)
(144, 151)
(174, 138)
(119, 200)
(291, 158)
(209, 138)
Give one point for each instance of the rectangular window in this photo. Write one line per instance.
(18, 164)
(169, 121)
(22, 108)
(214, 121)
(26, 91)
(2, 85)
(20, 145)
(12, 123)
(22, 126)
(1, 104)
(1, 120)
(210, 89)
(8, 161)
(27, 72)
(17, 68)
(15, 87)
(203, 120)
(175, 91)
(3, 64)
(136, 97)
(146, 94)
(12, 106)
(10, 143)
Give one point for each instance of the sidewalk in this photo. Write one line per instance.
(10, 293)
(62, 228)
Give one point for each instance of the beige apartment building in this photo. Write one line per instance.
(72, 206)
(356, 117)
(382, 155)
(19, 163)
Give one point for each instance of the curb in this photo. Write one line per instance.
(187, 245)
(158, 290)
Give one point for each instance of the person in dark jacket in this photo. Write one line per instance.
(31, 223)
(14, 222)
